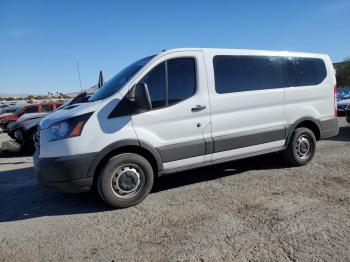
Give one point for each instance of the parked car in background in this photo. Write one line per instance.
(22, 110)
(24, 137)
(8, 110)
(341, 106)
(23, 130)
(343, 93)
(2, 107)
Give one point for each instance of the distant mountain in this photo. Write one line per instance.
(72, 94)
(14, 95)
(88, 90)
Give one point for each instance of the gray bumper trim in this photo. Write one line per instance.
(68, 173)
(329, 127)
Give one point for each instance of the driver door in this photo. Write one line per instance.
(179, 122)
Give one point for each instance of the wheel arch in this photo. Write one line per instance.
(126, 146)
(308, 122)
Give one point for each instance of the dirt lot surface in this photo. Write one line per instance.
(254, 209)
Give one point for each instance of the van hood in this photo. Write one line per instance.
(68, 112)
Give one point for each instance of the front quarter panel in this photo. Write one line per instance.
(98, 132)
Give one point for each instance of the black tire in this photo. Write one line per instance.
(28, 144)
(125, 173)
(296, 153)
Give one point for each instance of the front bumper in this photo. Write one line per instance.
(67, 174)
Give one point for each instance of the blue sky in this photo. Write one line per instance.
(41, 41)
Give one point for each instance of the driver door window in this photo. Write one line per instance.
(171, 82)
(156, 83)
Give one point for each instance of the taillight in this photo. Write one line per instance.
(335, 101)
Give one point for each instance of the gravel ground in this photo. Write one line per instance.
(255, 209)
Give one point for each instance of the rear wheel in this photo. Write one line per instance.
(301, 148)
(125, 180)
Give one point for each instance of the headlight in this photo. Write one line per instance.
(71, 127)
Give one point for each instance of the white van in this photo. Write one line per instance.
(187, 108)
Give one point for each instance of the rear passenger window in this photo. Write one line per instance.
(171, 81)
(247, 73)
(305, 71)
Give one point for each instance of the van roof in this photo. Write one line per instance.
(252, 51)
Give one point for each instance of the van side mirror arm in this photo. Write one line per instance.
(142, 98)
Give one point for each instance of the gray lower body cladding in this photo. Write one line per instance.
(222, 143)
(168, 153)
(236, 141)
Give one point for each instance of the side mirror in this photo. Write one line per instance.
(142, 98)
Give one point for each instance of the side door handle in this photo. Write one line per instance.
(198, 108)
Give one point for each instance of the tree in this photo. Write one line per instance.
(343, 73)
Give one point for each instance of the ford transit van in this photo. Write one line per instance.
(187, 108)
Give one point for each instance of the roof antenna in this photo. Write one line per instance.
(81, 87)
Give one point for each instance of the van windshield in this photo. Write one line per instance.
(119, 80)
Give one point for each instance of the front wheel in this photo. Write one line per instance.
(125, 180)
(301, 148)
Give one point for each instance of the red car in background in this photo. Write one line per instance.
(33, 108)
